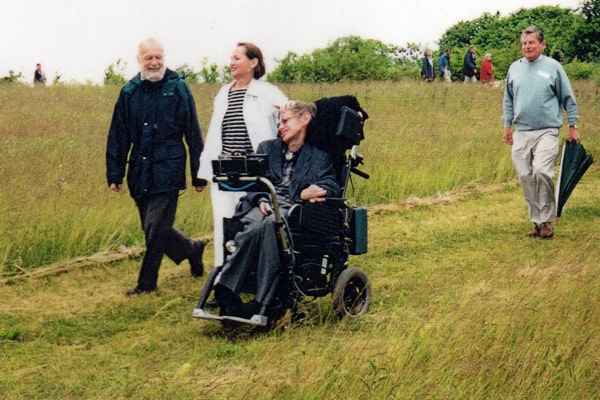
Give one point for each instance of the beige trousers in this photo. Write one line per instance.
(533, 155)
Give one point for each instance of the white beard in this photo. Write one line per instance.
(152, 75)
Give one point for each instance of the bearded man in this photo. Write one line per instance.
(153, 115)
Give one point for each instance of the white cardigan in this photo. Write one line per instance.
(260, 116)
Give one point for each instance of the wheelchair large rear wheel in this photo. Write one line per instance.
(351, 293)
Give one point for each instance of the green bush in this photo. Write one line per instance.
(582, 70)
(114, 74)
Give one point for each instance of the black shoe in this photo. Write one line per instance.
(242, 311)
(212, 304)
(228, 301)
(247, 310)
(196, 264)
(138, 290)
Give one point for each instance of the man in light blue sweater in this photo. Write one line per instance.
(536, 93)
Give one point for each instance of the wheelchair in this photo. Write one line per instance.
(316, 239)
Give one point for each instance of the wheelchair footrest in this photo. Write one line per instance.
(256, 319)
(203, 314)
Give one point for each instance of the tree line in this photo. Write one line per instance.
(572, 37)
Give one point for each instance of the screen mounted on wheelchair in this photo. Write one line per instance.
(231, 171)
(238, 165)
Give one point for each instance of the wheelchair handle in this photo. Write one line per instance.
(360, 173)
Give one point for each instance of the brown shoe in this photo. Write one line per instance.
(535, 232)
(546, 230)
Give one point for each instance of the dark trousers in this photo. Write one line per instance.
(257, 246)
(157, 214)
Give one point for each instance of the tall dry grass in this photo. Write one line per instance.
(420, 140)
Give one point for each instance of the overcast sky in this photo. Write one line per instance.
(80, 38)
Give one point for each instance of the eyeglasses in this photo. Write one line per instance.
(284, 120)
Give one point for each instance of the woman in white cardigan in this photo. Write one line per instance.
(245, 114)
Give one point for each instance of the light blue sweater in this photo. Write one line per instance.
(535, 95)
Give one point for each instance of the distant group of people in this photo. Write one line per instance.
(155, 113)
(486, 72)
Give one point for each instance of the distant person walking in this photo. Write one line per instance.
(155, 111)
(486, 73)
(39, 77)
(427, 71)
(445, 71)
(470, 65)
(536, 92)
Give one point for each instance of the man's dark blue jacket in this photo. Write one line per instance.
(469, 64)
(149, 123)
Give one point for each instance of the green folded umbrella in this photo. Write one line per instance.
(573, 164)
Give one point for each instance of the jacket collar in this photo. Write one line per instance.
(302, 163)
(253, 87)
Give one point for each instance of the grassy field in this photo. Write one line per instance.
(464, 306)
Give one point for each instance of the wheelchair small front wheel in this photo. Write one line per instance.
(351, 293)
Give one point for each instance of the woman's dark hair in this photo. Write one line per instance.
(253, 52)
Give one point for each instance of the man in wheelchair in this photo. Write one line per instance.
(298, 171)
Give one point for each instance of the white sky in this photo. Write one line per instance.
(80, 38)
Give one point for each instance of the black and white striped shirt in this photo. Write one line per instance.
(234, 132)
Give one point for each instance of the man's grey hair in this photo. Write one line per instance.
(150, 42)
(533, 29)
(300, 107)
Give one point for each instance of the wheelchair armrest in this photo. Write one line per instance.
(337, 202)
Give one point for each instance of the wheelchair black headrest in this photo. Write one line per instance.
(338, 124)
